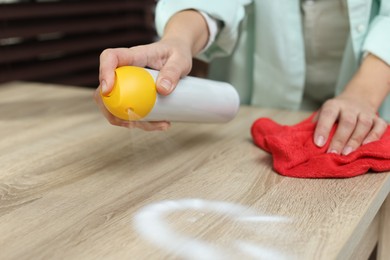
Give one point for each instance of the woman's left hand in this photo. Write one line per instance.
(358, 124)
(355, 109)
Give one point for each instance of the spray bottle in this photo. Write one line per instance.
(134, 97)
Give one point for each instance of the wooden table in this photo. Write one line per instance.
(74, 187)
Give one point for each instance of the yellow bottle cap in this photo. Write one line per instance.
(135, 90)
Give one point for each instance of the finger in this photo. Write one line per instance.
(315, 117)
(147, 126)
(377, 131)
(110, 59)
(110, 118)
(363, 127)
(150, 126)
(170, 74)
(345, 128)
(327, 117)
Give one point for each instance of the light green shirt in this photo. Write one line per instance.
(263, 51)
(325, 26)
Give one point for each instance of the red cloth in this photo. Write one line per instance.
(295, 154)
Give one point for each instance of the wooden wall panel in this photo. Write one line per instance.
(60, 41)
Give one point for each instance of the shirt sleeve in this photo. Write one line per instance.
(227, 13)
(212, 25)
(378, 36)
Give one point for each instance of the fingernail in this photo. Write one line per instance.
(366, 142)
(166, 84)
(320, 141)
(104, 87)
(333, 151)
(347, 150)
(163, 127)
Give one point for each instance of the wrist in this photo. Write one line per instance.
(371, 82)
(188, 28)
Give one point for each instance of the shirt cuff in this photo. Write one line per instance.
(212, 25)
(377, 40)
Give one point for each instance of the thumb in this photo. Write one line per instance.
(168, 78)
(108, 64)
(106, 79)
(106, 87)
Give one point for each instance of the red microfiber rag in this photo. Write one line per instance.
(295, 154)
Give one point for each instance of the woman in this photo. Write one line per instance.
(332, 54)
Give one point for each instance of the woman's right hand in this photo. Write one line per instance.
(185, 35)
(172, 59)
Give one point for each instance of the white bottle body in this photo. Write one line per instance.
(196, 100)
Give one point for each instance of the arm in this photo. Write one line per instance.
(356, 109)
(184, 33)
(187, 32)
(229, 15)
(184, 36)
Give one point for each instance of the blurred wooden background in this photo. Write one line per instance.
(60, 41)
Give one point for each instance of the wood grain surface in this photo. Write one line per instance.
(74, 187)
(384, 231)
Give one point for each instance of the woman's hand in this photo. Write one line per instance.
(185, 35)
(171, 60)
(355, 110)
(358, 124)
